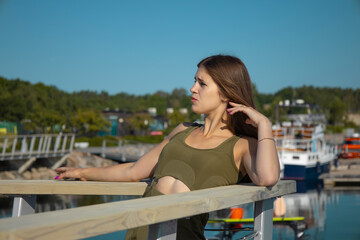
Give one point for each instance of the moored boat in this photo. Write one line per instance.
(351, 147)
(301, 145)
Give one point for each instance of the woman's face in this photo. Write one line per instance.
(205, 94)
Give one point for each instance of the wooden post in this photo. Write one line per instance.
(119, 145)
(263, 219)
(72, 142)
(13, 147)
(103, 149)
(60, 162)
(123, 153)
(24, 205)
(40, 145)
(32, 144)
(64, 144)
(24, 147)
(4, 146)
(57, 144)
(26, 165)
(48, 146)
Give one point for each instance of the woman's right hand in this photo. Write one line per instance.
(69, 172)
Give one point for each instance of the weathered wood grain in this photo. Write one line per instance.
(41, 187)
(104, 218)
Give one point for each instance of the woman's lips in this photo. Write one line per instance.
(193, 99)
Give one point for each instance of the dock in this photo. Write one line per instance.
(345, 175)
(119, 151)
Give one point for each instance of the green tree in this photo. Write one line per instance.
(175, 119)
(41, 120)
(89, 122)
(337, 109)
(139, 123)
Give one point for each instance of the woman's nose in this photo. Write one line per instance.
(193, 89)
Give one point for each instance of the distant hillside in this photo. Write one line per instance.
(21, 100)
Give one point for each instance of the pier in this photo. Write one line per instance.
(159, 212)
(119, 151)
(16, 147)
(345, 175)
(26, 149)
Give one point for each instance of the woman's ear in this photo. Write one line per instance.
(224, 99)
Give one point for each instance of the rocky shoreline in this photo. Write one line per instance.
(75, 159)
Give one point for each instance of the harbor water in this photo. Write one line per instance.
(329, 214)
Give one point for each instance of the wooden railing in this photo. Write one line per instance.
(160, 212)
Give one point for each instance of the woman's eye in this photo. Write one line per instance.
(200, 82)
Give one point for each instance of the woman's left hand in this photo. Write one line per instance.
(254, 117)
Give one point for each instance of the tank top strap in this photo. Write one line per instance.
(228, 145)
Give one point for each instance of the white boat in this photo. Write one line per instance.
(301, 146)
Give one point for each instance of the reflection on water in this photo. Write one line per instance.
(318, 206)
(329, 214)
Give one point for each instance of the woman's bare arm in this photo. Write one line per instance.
(259, 157)
(141, 169)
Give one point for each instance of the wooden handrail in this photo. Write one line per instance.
(110, 217)
(41, 187)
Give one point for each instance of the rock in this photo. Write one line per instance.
(27, 175)
(35, 174)
(85, 160)
(9, 175)
(75, 159)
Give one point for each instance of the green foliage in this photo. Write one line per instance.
(334, 129)
(336, 111)
(176, 118)
(336, 103)
(89, 122)
(39, 107)
(139, 122)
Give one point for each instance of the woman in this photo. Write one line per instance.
(234, 143)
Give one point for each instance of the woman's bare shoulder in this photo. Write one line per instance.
(181, 127)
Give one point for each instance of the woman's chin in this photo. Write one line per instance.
(194, 110)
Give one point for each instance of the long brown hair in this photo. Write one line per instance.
(233, 80)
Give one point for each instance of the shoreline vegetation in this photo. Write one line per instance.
(37, 106)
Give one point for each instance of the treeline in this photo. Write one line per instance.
(335, 103)
(39, 106)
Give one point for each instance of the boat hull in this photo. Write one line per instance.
(296, 172)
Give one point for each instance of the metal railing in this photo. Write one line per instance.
(15, 147)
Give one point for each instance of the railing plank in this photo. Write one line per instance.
(109, 217)
(41, 187)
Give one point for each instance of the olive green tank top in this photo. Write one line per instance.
(198, 168)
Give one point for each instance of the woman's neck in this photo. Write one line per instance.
(216, 125)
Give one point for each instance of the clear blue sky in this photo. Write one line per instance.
(140, 47)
